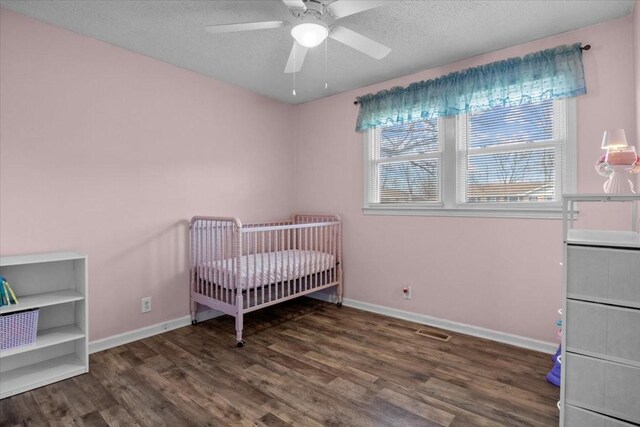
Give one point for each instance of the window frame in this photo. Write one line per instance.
(449, 156)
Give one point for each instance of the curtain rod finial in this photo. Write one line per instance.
(355, 102)
(586, 47)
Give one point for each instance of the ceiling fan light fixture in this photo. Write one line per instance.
(309, 34)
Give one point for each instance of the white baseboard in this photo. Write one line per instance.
(476, 331)
(463, 328)
(148, 331)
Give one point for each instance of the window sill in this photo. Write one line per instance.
(530, 213)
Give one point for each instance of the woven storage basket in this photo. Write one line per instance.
(18, 329)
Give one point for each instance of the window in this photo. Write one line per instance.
(406, 163)
(508, 161)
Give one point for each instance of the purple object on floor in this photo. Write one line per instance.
(556, 354)
(554, 374)
(553, 379)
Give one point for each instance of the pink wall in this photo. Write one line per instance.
(109, 152)
(636, 52)
(501, 274)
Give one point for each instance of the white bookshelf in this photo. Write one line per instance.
(56, 283)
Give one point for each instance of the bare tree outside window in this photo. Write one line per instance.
(404, 178)
(500, 165)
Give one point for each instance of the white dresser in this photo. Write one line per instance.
(601, 322)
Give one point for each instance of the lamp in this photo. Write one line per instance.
(618, 162)
(309, 34)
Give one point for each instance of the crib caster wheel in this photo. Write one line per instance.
(339, 304)
(194, 322)
(240, 344)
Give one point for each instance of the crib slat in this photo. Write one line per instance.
(215, 260)
(196, 253)
(290, 267)
(209, 254)
(200, 261)
(283, 264)
(306, 258)
(228, 233)
(247, 249)
(334, 252)
(256, 280)
(323, 256)
(316, 257)
(194, 257)
(272, 268)
(311, 256)
(218, 246)
(222, 290)
(208, 239)
(238, 263)
(329, 253)
(212, 250)
(328, 265)
(263, 235)
(222, 258)
(229, 255)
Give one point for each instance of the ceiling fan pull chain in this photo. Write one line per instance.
(294, 68)
(326, 72)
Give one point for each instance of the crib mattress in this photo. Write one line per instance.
(265, 268)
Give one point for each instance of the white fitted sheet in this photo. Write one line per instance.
(266, 268)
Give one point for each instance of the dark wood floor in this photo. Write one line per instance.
(306, 363)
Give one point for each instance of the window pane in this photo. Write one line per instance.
(406, 182)
(508, 125)
(411, 138)
(518, 176)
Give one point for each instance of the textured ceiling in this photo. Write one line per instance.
(422, 34)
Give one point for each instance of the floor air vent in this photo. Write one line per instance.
(433, 334)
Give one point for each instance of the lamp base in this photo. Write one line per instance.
(618, 181)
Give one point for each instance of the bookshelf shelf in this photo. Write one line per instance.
(47, 338)
(42, 300)
(39, 374)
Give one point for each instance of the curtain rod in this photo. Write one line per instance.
(585, 47)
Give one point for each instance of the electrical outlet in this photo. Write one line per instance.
(146, 304)
(407, 292)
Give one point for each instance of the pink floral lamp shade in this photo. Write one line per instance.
(620, 160)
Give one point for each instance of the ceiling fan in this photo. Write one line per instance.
(313, 28)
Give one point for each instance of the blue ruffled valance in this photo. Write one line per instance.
(540, 76)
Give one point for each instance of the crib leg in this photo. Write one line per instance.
(194, 310)
(340, 294)
(239, 322)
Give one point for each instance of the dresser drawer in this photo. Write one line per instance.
(578, 417)
(603, 274)
(607, 387)
(603, 330)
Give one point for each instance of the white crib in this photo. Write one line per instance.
(238, 268)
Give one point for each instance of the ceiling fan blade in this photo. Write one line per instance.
(359, 42)
(246, 26)
(342, 8)
(299, 52)
(295, 4)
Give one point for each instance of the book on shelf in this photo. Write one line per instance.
(3, 298)
(7, 296)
